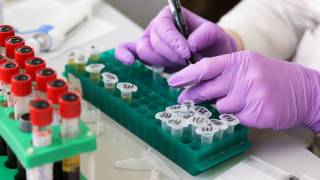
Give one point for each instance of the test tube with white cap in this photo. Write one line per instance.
(164, 117)
(109, 80)
(177, 126)
(177, 109)
(197, 121)
(223, 126)
(231, 121)
(157, 74)
(206, 133)
(95, 71)
(202, 111)
(127, 89)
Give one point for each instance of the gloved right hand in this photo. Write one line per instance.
(162, 44)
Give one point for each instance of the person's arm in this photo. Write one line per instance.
(270, 27)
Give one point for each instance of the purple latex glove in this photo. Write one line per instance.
(261, 92)
(162, 45)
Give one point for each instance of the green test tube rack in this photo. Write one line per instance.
(29, 156)
(138, 116)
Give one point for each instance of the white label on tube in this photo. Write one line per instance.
(41, 138)
(40, 173)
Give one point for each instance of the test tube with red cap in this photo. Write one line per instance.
(7, 70)
(43, 76)
(5, 32)
(3, 144)
(70, 110)
(11, 44)
(41, 118)
(22, 53)
(55, 88)
(32, 65)
(2, 60)
(21, 93)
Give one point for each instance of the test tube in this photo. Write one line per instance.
(72, 55)
(127, 89)
(177, 126)
(11, 44)
(95, 71)
(196, 122)
(32, 65)
(109, 80)
(70, 110)
(22, 53)
(2, 60)
(202, 111)
(41, 118)
(221, 125)
(231, 121)
(5, 32)
(81, 63)
(177, 109)
(164, 117)
(206, 133)
(55, 88)
(94, 54)
(21, 93)
(7, 70)
(43, 76)
(157, 74)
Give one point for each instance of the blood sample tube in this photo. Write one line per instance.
(41, 118)
(11, 44)
(5, 32)
(7, 70)
(22, 53)
(21, 93)
(70, 110)
(2, 60)
(32, 65)
(55, 88)
(43, 76)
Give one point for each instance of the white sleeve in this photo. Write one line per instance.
(271, 27)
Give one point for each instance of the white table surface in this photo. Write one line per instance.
(116, 143)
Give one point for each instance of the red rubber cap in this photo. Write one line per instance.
(41, 112)
(43, 76)
(5, 32)
(21, 54)
(70, 105)
(7, 70)
(32, 65)
(2, 59)
(21, 84)
(55, 88)
(11, 44)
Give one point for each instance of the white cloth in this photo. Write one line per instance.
(276, 28)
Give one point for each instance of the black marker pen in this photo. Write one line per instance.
(178, 20)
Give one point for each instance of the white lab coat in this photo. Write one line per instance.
(284, 29)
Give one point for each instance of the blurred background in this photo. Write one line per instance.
(209, 9)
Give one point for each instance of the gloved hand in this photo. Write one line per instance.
(261, 92)
(162, 45)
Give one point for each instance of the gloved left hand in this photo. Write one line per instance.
(260, 91)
